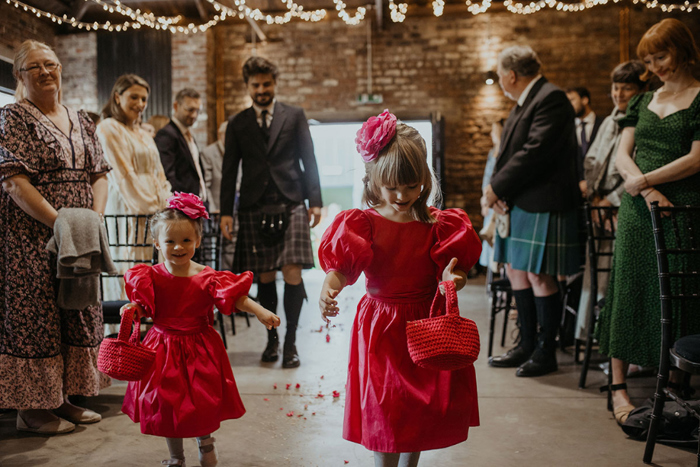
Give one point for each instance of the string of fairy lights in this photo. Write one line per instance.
(136, 19)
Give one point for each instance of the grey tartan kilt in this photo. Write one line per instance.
(254, 254)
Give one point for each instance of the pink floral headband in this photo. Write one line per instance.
(189, 204)
(375, 133)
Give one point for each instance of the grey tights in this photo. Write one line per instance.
(176, 449)
(395, 459)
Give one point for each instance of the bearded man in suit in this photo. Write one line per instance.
(273, 143)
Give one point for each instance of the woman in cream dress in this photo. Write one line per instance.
(137, 183)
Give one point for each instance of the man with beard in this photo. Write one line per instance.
(279, 173)
(587, 124)
(178, 149)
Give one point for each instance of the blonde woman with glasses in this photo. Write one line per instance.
(49, 159)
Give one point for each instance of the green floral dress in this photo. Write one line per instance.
(629, 326)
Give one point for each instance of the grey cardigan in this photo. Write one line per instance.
(80, 243)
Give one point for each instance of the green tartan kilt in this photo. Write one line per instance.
(543, 242)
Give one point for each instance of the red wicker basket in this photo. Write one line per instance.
(443, 341)
(125, 358)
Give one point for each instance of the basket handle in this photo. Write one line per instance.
(125, 327)
(448, 301)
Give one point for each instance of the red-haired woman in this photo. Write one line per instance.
(665, 127)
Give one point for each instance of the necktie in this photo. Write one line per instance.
(264, 127)
(584, 139)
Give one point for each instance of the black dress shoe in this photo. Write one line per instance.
(541, 363)
(290, 357)
(271, 351)
(511, 359)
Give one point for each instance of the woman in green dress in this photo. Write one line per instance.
(665, 127)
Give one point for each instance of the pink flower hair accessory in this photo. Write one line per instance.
(375, 133)
(189, 204)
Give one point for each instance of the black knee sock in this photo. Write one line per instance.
(549, 311)
(294, 296)
(267, 296)
(527, 318)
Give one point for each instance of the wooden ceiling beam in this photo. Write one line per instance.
(203, 14)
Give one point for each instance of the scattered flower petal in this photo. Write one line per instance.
(313, 413)
(288, 386)
(266, 399)
(319, 395)
(347, 462)
(290, 414)
(336, 394)
(321, 376)
(298, 386)
(328, 337)
(274, 386)
(306, 406)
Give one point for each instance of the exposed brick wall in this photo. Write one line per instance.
(429, 64)
(189, 62)
(16, 26)
(78, 54)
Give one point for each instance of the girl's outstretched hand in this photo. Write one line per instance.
(265, 316)
(454, 275)
(138, 311)
(328, 303)
(269, 319)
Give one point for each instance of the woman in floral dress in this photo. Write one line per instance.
(49, 159)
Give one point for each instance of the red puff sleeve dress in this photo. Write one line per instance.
(190, 388)
(393, 405)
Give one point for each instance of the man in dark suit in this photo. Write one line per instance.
(279, 172)
(178, 149)
(587, 124)
(535, 183)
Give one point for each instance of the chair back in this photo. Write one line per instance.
(601, 226)
(130, 243)
(677, 239)
(210, 248)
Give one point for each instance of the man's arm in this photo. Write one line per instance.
(305, 145)
(168, 153)
(229, 171)
(525, 167)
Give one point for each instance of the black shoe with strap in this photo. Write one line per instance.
(290, 357)
(272, 350)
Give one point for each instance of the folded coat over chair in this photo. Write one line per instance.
(80, 242)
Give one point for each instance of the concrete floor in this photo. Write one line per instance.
(542, 421)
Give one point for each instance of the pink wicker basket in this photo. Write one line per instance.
(125, 358)
(443, 341)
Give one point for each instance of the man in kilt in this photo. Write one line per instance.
(534, 189)
(279, 172)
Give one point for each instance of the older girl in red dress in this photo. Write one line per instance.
(190, 388)
(393, 407)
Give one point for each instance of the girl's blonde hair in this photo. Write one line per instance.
(403, 161)
(169, 215)
(21, 59)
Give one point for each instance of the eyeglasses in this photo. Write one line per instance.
(50, 67)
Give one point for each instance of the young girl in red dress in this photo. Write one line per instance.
(394, 407)
(190, 388)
